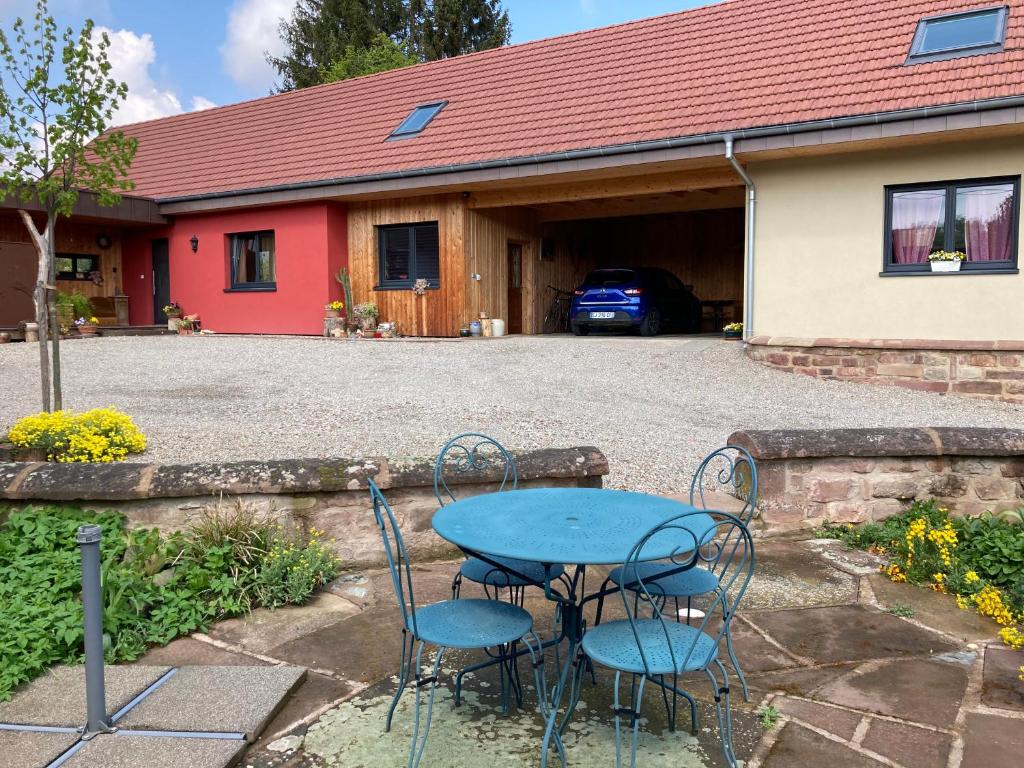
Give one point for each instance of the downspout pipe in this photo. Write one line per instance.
(748, 297)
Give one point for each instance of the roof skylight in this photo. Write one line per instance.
(959, 34)
(417, 120)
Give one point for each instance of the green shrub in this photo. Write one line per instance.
(155, 588)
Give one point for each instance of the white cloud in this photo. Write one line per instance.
(588, 6)
(252, 32)
(199, 102)
(131, 57)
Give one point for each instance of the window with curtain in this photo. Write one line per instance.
(978, 218)
(409, 252)
(253, 261)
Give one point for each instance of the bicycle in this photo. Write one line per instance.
(557, 318)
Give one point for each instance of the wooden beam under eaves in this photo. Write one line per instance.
(707, 178)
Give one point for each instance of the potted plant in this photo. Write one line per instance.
(185, 326)
(946, 261)
(87, 326)
(367, 314)
(335, 308)
(733, 331)
(173, 312)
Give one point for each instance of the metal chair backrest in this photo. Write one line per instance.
(473, 453)
(727, 543)
(397, 557)
(729, 469)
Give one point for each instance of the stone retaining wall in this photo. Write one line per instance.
(988, 370)
(806, 477)
(328, 494)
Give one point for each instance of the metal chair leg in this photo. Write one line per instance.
(728, 745)
(636, 697)
(541, 683)
(723, 734)
(415, 756)
(403, 675)
(618, 721)
(736, 664)
(457, 585)
(579, 670)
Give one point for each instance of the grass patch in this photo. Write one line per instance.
(155, 588)
(901, 610)
(768, 716)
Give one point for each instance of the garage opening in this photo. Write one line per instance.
(685, 247)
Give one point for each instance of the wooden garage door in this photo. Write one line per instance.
(17, 276)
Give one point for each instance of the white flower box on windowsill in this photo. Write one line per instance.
(946, 266)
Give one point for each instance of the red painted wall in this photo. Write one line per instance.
(310, 242)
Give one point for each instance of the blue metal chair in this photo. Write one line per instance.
(463, 624)
(730, 469)
(484, 458)
(649, 647)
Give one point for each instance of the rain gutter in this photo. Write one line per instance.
(874, 118)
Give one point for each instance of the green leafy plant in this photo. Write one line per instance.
(769, 716)
(230, 560)
(901, 610)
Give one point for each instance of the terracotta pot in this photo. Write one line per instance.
(87, 330)
(332, 313)
(184, 331)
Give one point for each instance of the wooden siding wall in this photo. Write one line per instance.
(439, 312)
(75, 237)
(489, 233)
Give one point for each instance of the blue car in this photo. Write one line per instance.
(648, 299)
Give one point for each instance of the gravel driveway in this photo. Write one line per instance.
(654, 406)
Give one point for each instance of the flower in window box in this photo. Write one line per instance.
(87, 326)
(733, 331)
(335, 308)
(946, 261)
(173, 309)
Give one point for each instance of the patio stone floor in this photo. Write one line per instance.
(854, 686)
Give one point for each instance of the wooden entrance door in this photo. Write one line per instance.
(18, 274)
(515, 287)
(161, 280)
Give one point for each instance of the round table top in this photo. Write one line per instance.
(577, 526)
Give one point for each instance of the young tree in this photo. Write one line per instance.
(56, 100)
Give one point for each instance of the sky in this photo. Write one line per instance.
(181, 55)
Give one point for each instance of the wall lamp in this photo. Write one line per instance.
(195, 243)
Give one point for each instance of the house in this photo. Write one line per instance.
(796, 161)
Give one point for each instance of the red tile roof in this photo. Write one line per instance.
(739, 64)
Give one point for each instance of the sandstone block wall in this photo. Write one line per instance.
(987, 370)
(806, 477)
(327, 494)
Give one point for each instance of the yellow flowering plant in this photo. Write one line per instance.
(99, 435)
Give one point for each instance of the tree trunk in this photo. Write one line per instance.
(51, 304)
(40, 297)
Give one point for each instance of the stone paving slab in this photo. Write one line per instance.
(848, 633)
(127, 751)
(58, 697)
(217, 698)
(264, 629)
(25, 749)
(923, 690)
(798, 747)
(932, 608)
(186, 651)
(993, 742)
(841, 722)
(907, 745)
(1001, 687)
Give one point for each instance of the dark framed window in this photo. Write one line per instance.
(409, 252)
(77, 266)
(253, 261)
(417, 120)
(978, 217)
(959, 34)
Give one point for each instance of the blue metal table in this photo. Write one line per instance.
(574, 526)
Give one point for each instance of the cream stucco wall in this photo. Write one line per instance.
(819, 239)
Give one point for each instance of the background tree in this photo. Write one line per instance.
(455, 27)
(56, 98)
(321, 33)
(382, 55)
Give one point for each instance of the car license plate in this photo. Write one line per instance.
(602, 315)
